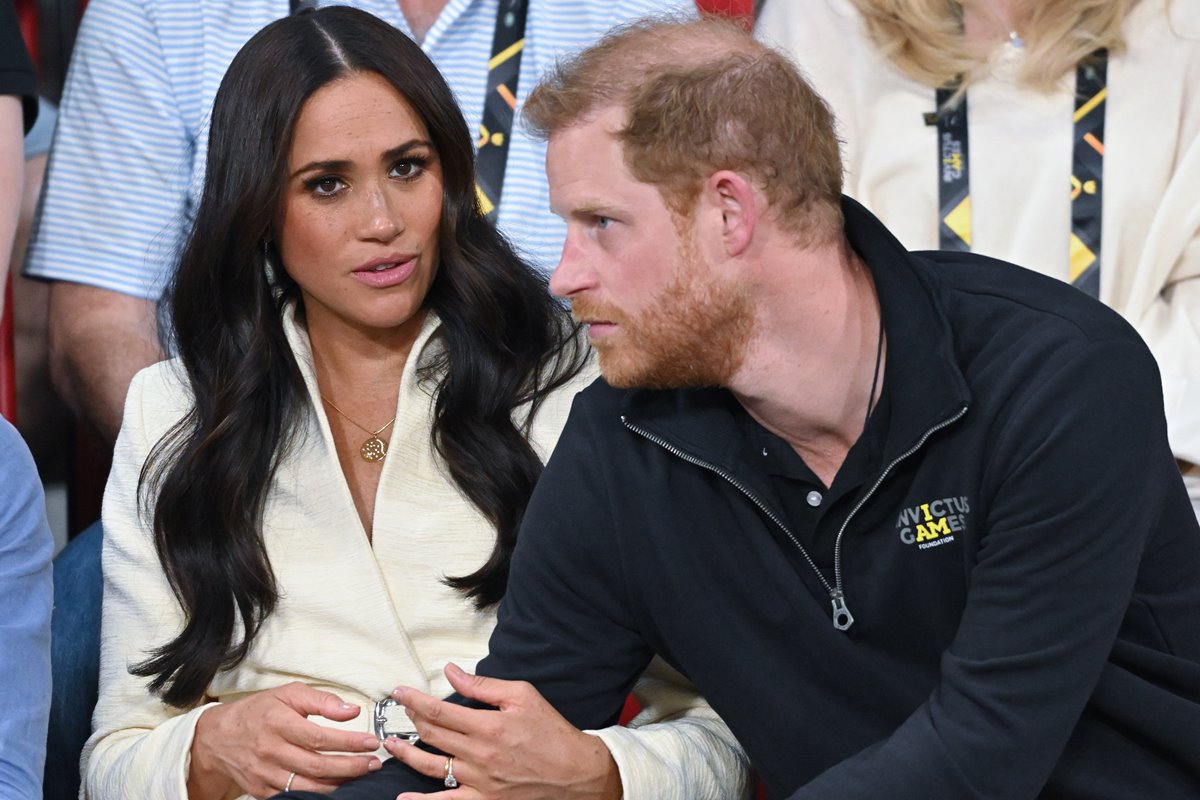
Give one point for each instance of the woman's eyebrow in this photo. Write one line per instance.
(336, 165)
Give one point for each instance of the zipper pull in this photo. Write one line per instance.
(842, 618)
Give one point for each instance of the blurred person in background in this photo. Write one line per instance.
(25, 541)
(1061, 135)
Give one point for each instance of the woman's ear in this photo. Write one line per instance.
(734, 197)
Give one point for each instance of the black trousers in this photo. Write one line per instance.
(385, 784)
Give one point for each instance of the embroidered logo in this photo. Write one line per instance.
(934, 523)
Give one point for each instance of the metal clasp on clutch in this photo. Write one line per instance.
(390, 720)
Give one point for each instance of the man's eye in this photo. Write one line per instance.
(603, 222)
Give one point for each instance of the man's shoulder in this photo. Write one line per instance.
(24, 533)
(1014, 333)
(15, 460)
(601, 399)
(1011, 300)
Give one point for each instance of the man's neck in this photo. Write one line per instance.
(812, 363)
(421, 14)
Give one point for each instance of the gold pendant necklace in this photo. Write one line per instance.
(374, 448)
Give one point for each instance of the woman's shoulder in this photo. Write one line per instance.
(1155, 24)
(159, 395)
(164, 381)
(556, 406)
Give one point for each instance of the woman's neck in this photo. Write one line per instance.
(986, 22)
(360, 368)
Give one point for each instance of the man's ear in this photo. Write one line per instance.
(732, 195)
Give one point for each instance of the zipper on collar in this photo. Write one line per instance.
(842, 617)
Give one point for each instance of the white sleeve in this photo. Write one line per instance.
(1171, 323)
(677, 748)
(140, 747)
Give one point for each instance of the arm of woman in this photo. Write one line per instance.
(1170, 324)
(142, 747)
(139, 746)
(677, 747)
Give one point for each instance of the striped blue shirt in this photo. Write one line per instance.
(127, 166)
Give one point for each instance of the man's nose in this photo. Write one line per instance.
(571, 274)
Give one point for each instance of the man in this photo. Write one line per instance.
(25, 540)
(18, 111)
(125, 176)
(25, 591)
(909, 521)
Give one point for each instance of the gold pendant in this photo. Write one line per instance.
(373, 449)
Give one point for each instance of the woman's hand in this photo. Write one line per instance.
(523, 751)
(258, 742)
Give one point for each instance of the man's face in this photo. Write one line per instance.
(658, 314)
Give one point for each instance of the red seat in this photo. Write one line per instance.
(8, 382)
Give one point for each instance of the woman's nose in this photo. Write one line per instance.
(380, 219)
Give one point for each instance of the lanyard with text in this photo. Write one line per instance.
(954, 172)
(499, 104)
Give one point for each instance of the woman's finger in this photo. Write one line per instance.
(429, 764)
(306, 701)
(433, 766)
(302, 783)
(451, 741)
(311, 736)
(444, 714)
(332, 768)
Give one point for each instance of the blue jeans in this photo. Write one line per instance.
(74, 660)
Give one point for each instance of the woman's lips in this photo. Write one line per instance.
(383, 273)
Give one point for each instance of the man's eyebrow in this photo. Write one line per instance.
(592, 210)
(338, 165)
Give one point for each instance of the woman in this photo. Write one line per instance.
(325, 486)
(1068, 142)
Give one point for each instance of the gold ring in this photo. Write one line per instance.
(287, 787)
(450, 782)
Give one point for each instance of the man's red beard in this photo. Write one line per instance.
(692, 335)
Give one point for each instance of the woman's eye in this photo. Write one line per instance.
(324, 187)
(406, 170)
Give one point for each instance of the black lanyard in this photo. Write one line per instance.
(499, 104)
(954, 172)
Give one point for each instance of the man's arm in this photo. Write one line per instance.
(98, 341)
(25, 597)
(12, 173)
(570, 626)
(114, 205)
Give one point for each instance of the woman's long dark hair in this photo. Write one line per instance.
(505, 344)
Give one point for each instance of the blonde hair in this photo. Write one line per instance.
(924, 38)
(701, 96)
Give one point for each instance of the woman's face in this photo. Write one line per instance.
(362, 203)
